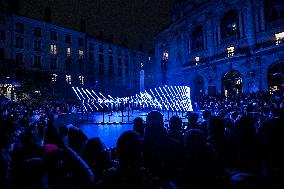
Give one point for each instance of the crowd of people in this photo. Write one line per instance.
(235, 143)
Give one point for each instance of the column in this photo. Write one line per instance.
(256, 17)
(241, 29)
(250, 24)
(218, 30)
(262, 17)
(210, 37)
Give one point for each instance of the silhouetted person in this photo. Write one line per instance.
(139, 126)
(96, 156)
(175, 128)
(128, 173)
(161, 154)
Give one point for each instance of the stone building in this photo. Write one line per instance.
(223, 47)
(51, 58)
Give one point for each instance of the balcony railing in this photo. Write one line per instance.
(218, 57)
(267, 45)
(239, 52)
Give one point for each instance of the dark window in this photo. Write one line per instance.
(119, 72)
(119, 61)
(2, 35)
(19, 58)
(19, 27)
(110, 56)
(111, 60)
(37, 45)
(19, 42)
(53, 63)
(91, 56)
(68, 64)
(127, 72)
(274, 11)
(126, 60)
(111, 71)
(67, 39)
(37, 32)
(37, 61)
(101, 54)
(101, 69)
(197, 38)
(101, 49)
(80, 41)
(229, 24)
(81, 66)
(101, 58)
(53, 35)
(91, 47)
(1, 53)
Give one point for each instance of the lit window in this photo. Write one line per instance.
(68, 79)
(68, 51)
(197, 59)
(142, 65)
(81, 79)
(81, 53)
(239, 81)
(165, 55)
(53, 77)
(279, 38)
(53, 49)
(230, 51)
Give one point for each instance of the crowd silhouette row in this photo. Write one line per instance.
(234, 142)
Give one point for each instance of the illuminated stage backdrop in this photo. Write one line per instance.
(171, 98)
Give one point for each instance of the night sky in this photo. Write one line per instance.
(137, 20)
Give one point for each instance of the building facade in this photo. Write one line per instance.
(52, 57)
(223, 47)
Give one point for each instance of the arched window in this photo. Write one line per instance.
(198, 85)
(274, 10)
(229, 25)
(197, 38)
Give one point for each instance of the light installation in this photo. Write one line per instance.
(170, 98)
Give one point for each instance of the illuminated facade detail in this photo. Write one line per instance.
(244, 38)
(279, 38)
(230, 51)
(68, 79)
(53, 49)
(81, 53)
(53, 77)
(81, 79)
(141, 64)
(68, 51)
(197, 59)
(165, 55)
